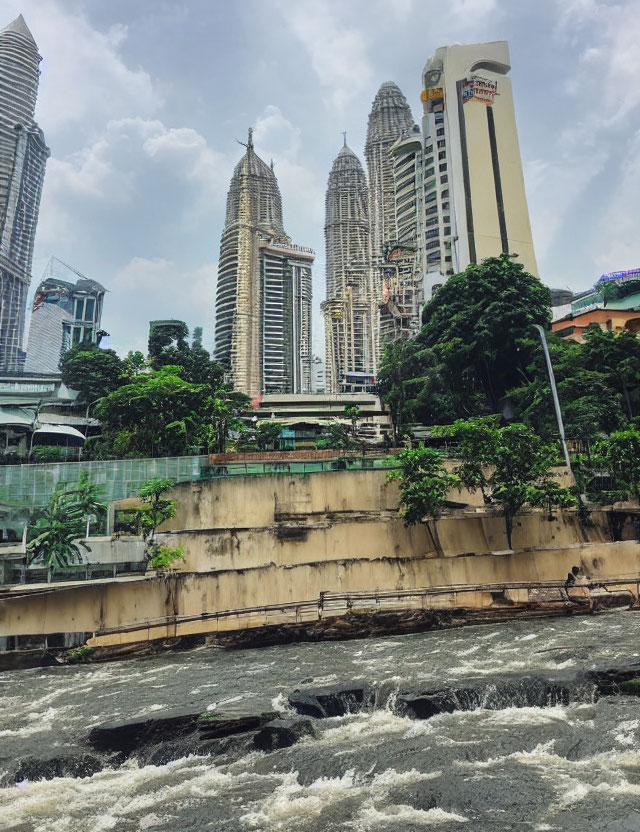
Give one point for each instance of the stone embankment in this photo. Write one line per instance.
(165, 736)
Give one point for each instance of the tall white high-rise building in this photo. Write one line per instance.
(263, 300)
(348, 312)
(23, 155)
(474, 196)
(390, 118)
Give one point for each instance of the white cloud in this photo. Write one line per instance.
(277, 138)
(85, 81)
(147, 289)
(618, 243)
(338, 51)
(113, 171)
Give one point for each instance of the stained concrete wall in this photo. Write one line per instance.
(258, 541)
(140, 607)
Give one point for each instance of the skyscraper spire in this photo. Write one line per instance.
(263, 301)
(347, 310)
(23, 154)
(390, 116)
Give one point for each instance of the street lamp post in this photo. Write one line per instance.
(554, 393)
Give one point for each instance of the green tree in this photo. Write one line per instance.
(352, 412)
(479, 321)
(134, 364)
(268, 434)
(225, 417)
(91, 371)
(424, 485)
(522, 474)
(160, 509)
(155, 414)
(476, 440)
(511, 466)
(620, 456)
(336, 437)
(58, 530)
(168, 346)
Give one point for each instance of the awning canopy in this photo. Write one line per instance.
(60, 430)
(16, 416)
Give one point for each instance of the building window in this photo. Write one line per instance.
(430, 197)
(433, 244)
(428, 160)
(434, 257)
(432, 210)
(432, 221)
(447, 218)
(442, 167)
(447, 230)
(442, 143)
(79, 308)
(444, 194)
(429, 173)
(442, 154)
(444, 180)
(77, 334)
(433, 233)
(440, 131)
(445, 205)
(89, 309)
(428, 149)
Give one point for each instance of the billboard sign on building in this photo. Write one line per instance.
(479, 88)
(630, 273)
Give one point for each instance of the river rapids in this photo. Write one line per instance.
(571, 767)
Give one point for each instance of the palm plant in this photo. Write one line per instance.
(59, 528)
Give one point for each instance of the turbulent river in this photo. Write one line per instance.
(573, 767)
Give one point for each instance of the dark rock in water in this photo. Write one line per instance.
(518, 692)
(631, 687)
(214, 725)
(61, 765)
(281, 733)
(49, 660)
(127, 737)
(336, 700)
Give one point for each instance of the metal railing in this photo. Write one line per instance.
(243, 469)
(335, 604)
(17, 575)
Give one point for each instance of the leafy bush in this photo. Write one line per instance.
(48, 453)
(164, 556)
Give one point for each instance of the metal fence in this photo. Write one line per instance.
(31, 486)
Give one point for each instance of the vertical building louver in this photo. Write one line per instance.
(263, 301)
(23, 155)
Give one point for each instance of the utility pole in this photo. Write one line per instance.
(554, 393)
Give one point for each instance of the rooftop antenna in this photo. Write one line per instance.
(272, 165)
(249, 143)
(344, 136)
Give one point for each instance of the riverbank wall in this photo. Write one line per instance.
(272, 550)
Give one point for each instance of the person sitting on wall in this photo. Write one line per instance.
(577, 587)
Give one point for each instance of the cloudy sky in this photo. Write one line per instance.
(142, 101)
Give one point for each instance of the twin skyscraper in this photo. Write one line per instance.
(436, 198)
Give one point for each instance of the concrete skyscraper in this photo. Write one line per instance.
(23, 155)
(348, 312)
(263, 302)
(389, 119)
(475, 202)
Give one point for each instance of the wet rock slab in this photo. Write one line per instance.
(281, 733)
(334, 700)
(60, 765)
(130, 735)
